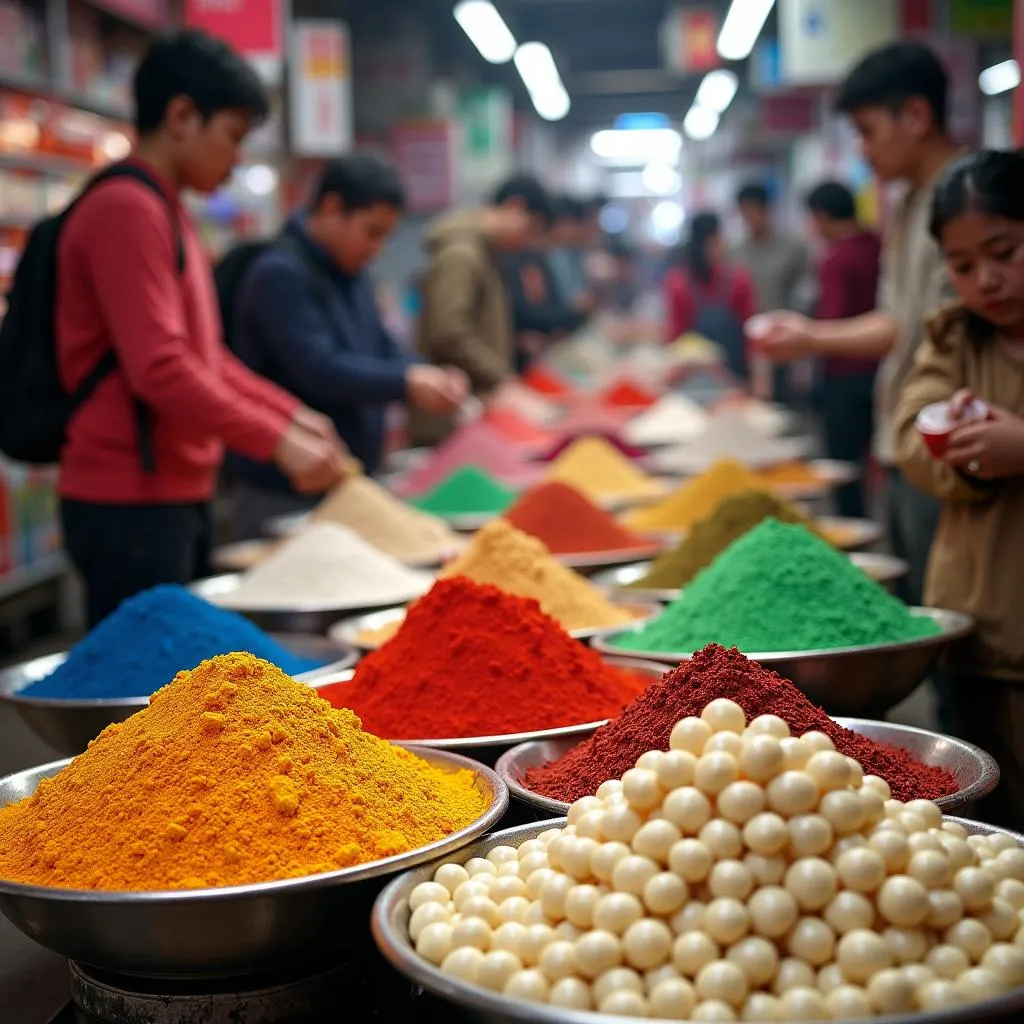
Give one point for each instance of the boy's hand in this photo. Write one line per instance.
(991, 449)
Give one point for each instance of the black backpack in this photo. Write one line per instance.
(34, 407)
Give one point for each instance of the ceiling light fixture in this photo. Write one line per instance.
(537, 69)
(486, 29)
(999, 78)
(637, 147)
(700, 123)
(716, 90)
(741, 27)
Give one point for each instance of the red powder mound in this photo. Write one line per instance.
(547, 383)
(515, 428)
(568, 521)
(715, 672)
(628, 394)
(471, 660)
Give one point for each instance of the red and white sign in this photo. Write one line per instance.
(255, 28)
(321, 89)
(690, 40)
(424, 156)
(152, 13)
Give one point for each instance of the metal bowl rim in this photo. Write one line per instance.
(357, 873)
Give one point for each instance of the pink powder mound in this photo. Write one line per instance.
(476, 444)
(590, 417)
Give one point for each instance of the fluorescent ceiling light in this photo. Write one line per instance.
(1000, 78)
(486, 29)
(661, 179)
(638, 147)
(742, 26)
(537, 69)
(700, 123)
(717, 89)
(667, 217)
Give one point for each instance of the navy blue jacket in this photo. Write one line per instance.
(318, 334)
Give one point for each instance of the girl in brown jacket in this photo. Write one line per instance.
(976, 349)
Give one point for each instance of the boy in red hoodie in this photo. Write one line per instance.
(132, 276)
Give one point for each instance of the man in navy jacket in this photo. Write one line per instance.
(305, 317)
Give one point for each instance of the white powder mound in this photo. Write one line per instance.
(327, 565)
(672, 419)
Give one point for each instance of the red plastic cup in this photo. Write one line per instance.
(936, 425)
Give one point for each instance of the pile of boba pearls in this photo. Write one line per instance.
(742, 875)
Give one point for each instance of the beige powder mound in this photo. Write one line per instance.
(413, 537)
(515, 562)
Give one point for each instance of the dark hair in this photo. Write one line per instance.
(988, 181)
(531, 192)
(206, 70)
(703, 228)
(832, 199)
(361, 180)
(753, 193)
(890, 76)
(570, 208)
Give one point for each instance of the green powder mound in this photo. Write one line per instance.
(780, 588)
(709, 537)
(467, 491)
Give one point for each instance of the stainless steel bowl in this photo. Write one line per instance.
(487, 749)
(70, 725)
(240, 556)
(974, 769)
(692, 457)
(849, 534)
(831, 473)
(390, 924)
(309, 617)
(349, 632)
(859, 682)
(588, 562)
(219, 932)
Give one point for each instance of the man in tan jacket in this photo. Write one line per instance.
(466, 314)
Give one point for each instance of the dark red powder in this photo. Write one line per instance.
(568, 521)
(471, 660)
(627, 394)
(715, 672)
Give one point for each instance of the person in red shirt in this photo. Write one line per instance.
(705, 295)
(132, 276)
(848, 285)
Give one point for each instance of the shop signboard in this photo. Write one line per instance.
(982, 19)
(255, 28)
(486, 118)
(151, 13)
(689, 39)
(424, 156)
(321, 88)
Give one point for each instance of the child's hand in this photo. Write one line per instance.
(989, 449)
(959, 403)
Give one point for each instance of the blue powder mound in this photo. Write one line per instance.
(152, 637)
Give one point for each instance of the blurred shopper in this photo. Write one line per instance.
(466, 316)
(567, 254)
(140, 464)
(305, 316)
(976, 350)
(848, 284)
(705, 295)
(897, 99)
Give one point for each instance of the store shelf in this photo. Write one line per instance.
(43, 163)
(46, 570)
(117, 12)
(70, 97)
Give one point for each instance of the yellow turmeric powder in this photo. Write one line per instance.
(234, 774)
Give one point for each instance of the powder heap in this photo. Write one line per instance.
(411, 536)
(780, 588)
(467, 491)
(601, 472)
(471, 660)
(614, 439)
(505, 557)
(709, 537)
(671, 420)
(545, 382)
(234, 774)
(696, 499)
(791, 474)
(590, 418)
(326, 564)
(516, 428)
(705, 386)
(627, 394)
(526, 402)
(569, 522)
(714, 672)
(144, 643)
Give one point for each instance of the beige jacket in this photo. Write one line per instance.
(465, 318)
(977, 560)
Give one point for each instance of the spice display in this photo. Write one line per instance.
(739, 874)
(471, 660)
(627, 394)
(515, 427)
(602, 472)
(517, 563)
(590, 418)
(467, 491)
(568, 521)
(671, 420)
(326, 564)
(613, 438)
(145, 642)
(526, 402)
(712, 673)
(233, 774)
(696, 499)
(706, 387)
(709, 537)
(405, 533)
(546, 383)
(780, 588)
(791, 474)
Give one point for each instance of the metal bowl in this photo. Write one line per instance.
(487, 749)
(70, 725)
(390, 924)
(859, 682)
(692, 458)
(310, 617)
(974, 769)
(240, 556)
(219, 932)
(849, 534)
(349, 632)
(831, 473)
(587, 562)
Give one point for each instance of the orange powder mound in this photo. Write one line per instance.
(628, 394)
(789, 473)
(546, 382)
